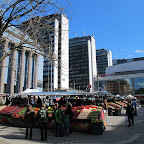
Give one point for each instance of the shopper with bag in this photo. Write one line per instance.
(43, 119)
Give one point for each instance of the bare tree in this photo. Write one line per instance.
(27, 21)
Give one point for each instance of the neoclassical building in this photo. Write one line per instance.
(19, 70)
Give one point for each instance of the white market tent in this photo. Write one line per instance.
(117, 96)
(130, 96)
(30, 91)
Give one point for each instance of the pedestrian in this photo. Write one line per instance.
(78, 101)
(43, 119)
(7, 101)
(66, 124)
(29, 120)
(135, 105)
(105, 106)
(39, 102)
(58, 122)
(69, 112)
(129, 113)
(53, 117)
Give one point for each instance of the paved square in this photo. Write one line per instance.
(116, 132)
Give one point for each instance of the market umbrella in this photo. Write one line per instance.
(130, 96)
(117, 96)
(30, 90)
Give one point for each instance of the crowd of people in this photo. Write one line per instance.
(60, 120)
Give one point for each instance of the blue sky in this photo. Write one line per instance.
(117, 25)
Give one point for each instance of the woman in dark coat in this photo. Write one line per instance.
(129, 113)
(69, 112)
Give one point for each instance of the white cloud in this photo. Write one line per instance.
(139, 51)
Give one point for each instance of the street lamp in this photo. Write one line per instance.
(98, 78)
(74, 85)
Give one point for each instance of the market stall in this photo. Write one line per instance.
(114, 108)
(88, 118)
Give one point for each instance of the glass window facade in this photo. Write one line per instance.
(134, 86)
(139, 85)
(100, 86)
(126, 86)
(79, 67)
(113, 86)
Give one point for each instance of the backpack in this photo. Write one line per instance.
(42, 114)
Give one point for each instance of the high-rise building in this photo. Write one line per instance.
(56, 70)
(103, 59)
(82, 62)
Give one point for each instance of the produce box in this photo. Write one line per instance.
(117, 107)
(121, 103)
(2, 107)
(9, 110)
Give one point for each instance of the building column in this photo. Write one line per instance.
(21, 78)
(133, 87)
(3, 65)
(29, 69)
(119, 87)
(36, 72)
(12, 73)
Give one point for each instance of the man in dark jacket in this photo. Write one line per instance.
(29, 119)
(43, 119)
(129, 113)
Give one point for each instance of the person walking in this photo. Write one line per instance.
(29, 119)
(43, 119)
(135, 105)
(129, 113)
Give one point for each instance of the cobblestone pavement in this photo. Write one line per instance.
(116, 132)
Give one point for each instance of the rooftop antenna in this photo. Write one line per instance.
(83, 33)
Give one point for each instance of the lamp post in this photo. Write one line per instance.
(98, 78)
(74, 85)
(48, 76)
(51, 77)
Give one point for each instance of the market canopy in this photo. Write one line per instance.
(30, 91)
(117, 96)
(130, 96)
(33, 92)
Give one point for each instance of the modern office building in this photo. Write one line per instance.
(120, 61)
(103, 59)
(82, 62)
(19, 70)
(56, 70)
(123, 79)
